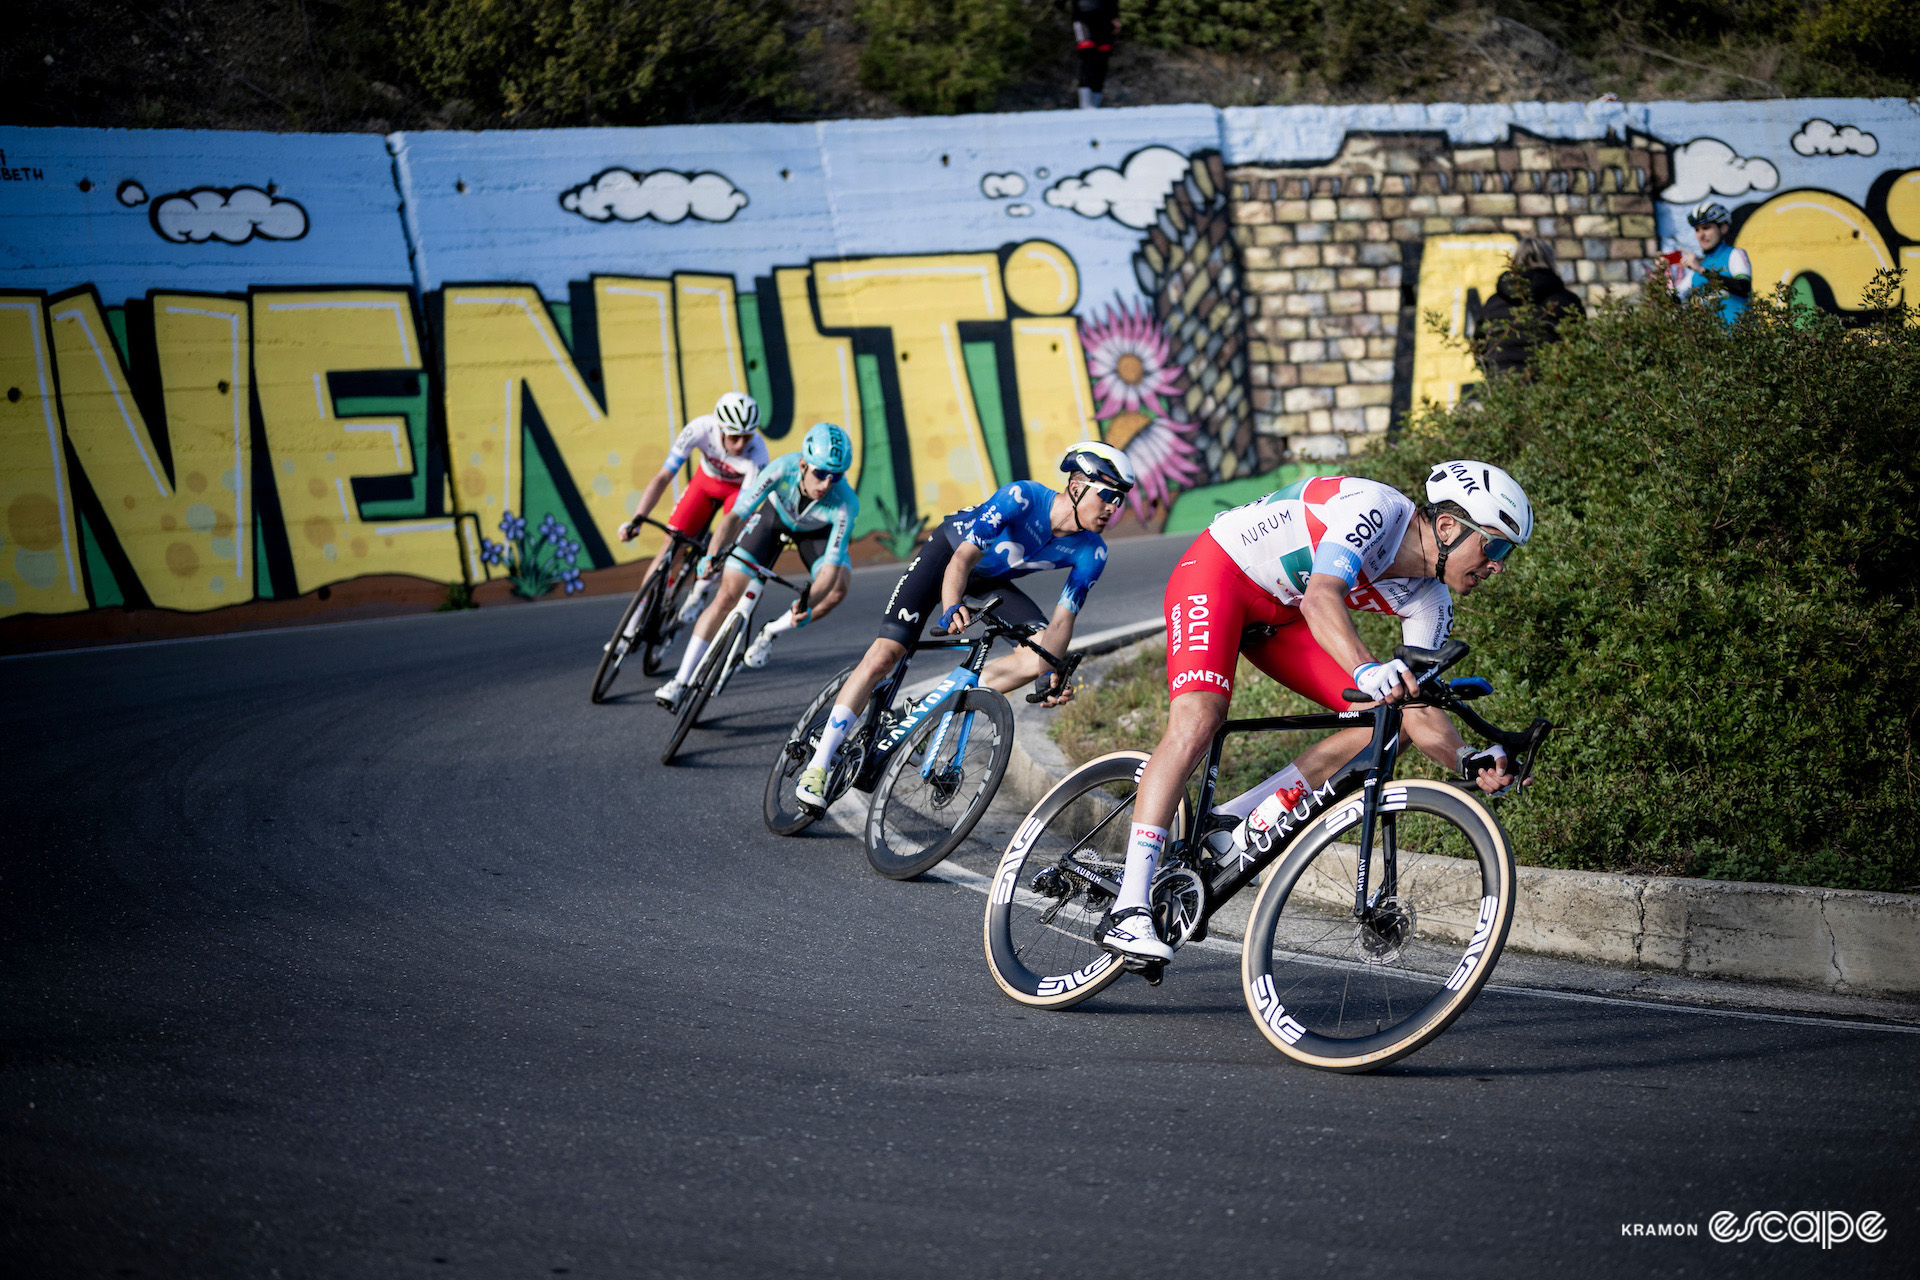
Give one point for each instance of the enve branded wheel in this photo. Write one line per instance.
(665, 624)
(783, 813)
(1041, 910)
(700, 688)
(624, 639)
(938, 782)
(1347, 993)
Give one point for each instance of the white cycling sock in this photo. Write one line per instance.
(784, 622)
(840, 722)
(1144, 844)
(696, 650)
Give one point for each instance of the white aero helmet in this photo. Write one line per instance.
(1491, 498)
(738, 414)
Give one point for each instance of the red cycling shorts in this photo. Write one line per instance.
(1210, 602)
(702, 498)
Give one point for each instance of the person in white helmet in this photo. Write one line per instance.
(728, 452)
(1291, 567)
(1718, 261)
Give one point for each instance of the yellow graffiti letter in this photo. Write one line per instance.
(40, 556)
(1449, 266)
(188, 533)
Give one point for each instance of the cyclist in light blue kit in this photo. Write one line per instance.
(803, 498)
(1717, 261)
(1023, 528)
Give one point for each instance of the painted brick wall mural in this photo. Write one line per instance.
(247, 375)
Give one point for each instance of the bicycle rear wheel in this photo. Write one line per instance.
(1347, 994)
(664, 622)
(938, 784)
(705, 677)
(625, 636)
(1042, 910)
(783, 813)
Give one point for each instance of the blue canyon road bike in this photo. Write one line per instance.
(932, 767)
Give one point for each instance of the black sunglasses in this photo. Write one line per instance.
(818, 474)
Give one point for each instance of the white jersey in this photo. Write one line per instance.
(701, 438)
(1344, 527)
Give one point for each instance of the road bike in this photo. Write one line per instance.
(932, 766)
(651, 619)
(724, 656)
(1383, 909)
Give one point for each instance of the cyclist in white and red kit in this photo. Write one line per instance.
(1275, 580)
(729, 452)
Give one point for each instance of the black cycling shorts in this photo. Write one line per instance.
(761, 536)
(915, 601)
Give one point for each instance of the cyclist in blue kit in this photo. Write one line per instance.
(1023, 528)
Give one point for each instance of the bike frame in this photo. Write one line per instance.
(963, 677)
(1367, 773)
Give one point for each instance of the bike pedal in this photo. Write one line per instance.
(1153, 971)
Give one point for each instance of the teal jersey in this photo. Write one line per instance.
(778, 485)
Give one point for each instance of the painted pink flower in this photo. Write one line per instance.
(1162, 457)
(1130, 360)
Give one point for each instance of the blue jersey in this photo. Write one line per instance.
(1014, 531)
(1728, 263)
(778, 485)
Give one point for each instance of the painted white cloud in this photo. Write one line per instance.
(132, 194)
(230, 216)
(1131, 195)
(1822, 138)
(1019, 211)
(996, 185)
(625, 195)
(1708, 166)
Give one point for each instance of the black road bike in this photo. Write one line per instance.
(932, 766)
(723, 657)
(1383, 910)
(651, 619)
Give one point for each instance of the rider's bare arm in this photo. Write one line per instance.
(1324, 606)
(649, 498)
(953, 587)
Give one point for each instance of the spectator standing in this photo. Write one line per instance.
(1718, 262)
(1525, 311)
(1095, 25)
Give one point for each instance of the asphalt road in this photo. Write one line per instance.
(375, 950)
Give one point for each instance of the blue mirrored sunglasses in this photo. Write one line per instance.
(818, 474)
(1498, 548)
(1112, 497)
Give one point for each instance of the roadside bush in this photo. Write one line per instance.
(945, 56)
(1719, 602)
(539, 62)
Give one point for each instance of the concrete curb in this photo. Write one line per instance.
(1841, 941)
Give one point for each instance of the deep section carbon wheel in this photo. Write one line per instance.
(1352, 993)
(938, 782)
(1056, 880)
(785, 815)
(664, 623)
(626, 635)
(706, 677)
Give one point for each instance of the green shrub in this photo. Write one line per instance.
(1719, 602)
(939, 57)
(534, 62)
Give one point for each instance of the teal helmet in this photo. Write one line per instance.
(827, 448)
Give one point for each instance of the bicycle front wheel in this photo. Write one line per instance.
(626, 635)
(783, 813)
(938, 783)
(706, 677)
(1347, 993)
(1055, 881)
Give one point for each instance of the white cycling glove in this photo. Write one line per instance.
(1378, 679)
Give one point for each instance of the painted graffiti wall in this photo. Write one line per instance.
(245, 368)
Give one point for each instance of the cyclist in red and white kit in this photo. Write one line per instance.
(1290, 568)
(730, 452)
